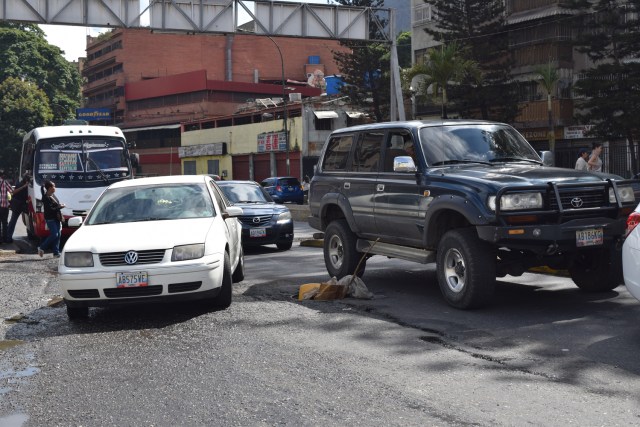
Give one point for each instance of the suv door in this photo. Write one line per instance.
(400, 203)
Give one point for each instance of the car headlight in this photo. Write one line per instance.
(78, 259)
(625, 193)
(517, 201)
(186, 252)
(284, 217)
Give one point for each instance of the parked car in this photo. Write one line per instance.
(631, 254)
(474, 198)
(284, 189)
(153, 240)
(263, 221)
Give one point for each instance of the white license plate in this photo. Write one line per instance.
(257, 232)
(291, 188)
(132, 280)
(589, 237)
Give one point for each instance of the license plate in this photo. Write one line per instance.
(291, 188)
(589, 237)
(257, 232)
(132, 280)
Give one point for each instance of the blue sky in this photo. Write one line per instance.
(72, 40)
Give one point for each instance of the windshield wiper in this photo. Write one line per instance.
(458, 161)
(515, 159)
(93, 162)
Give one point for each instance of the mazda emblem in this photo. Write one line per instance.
(131, 257)
(576, 202)
(256, 220)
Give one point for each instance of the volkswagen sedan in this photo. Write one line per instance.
(153, 240)
(631, 254)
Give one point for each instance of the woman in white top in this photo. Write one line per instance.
(581, 163)
(595, 162)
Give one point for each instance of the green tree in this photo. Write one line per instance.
(548, 79)
(446, 66)
(479, 26)
(365, 68)
(26, 54)
(403, 42)
(609, 34)
(23, 106)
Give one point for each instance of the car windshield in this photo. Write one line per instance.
(289, 181)
(475, 144)
(152, 203)
(245, 193)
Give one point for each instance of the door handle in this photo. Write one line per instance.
(347, 185)
(380, 187)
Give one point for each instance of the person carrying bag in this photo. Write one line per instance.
(53, 217)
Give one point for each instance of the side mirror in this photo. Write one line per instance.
(404, 164)
(547, 158)
(75, 222)
(232, 212)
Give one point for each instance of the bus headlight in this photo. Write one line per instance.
(517, 201)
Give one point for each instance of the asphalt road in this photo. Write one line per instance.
(543, 353)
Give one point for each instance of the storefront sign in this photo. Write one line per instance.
(577, 132)
(92, 114)
(215, 149)
(272, 141)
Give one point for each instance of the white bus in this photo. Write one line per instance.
(82, 160)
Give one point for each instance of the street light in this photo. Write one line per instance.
(284, 97)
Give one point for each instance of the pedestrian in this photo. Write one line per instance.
(53, 217)
(18, 204)
(595, 162)
(5, 192)
(581, 163)
(305, 187)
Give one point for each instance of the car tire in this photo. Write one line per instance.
(597, 270)
(284, 246)
(238, 274)
(340, 255)
(223, 299)
(77, 313)
(466, 269)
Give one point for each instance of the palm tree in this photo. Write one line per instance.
(445, 65)
(547, 79)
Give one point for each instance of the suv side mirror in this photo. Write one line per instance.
(404, 164)
(547, 158)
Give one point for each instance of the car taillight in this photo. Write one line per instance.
(632, 221)
(278, 188)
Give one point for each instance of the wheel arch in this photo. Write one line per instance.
(447, 213)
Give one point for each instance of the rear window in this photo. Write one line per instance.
(288, 181)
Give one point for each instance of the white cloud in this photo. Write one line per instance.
(72, 40)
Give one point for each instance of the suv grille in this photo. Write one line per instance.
(590, 199)
(144, 257)
(261, 220)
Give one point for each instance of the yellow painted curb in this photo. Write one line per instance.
(314, 243)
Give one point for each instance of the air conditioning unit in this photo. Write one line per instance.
(295, 97)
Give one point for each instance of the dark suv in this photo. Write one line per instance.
(472, 196)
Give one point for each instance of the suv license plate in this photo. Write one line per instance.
(257, 232)
(132, 280)
(589, 237)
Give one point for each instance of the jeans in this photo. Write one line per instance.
(12, 225)
(53, 239)
(4, 215)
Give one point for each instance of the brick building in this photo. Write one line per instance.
(150, 82)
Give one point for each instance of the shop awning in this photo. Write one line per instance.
(355, 114)
(326, 114)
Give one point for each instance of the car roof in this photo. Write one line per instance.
(415, 124)
(160, 180)
(236, 181)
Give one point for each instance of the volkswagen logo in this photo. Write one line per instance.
(576, 202)
(256, 220)
(131, 257)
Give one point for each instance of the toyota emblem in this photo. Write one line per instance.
(131, 257)
(256, 220)
(576, 202)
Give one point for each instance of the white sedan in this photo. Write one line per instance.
(631, 254)
(153, 240)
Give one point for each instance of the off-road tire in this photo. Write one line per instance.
(340, 255)
(597, 270)
(466, 269)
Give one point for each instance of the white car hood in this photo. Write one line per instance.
(142, 235)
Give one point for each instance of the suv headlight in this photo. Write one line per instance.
(78, 259)
(517, 201)
(625, 193)
(187, 252)
(284, 217)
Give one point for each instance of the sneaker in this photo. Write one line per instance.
(56, 255)
(40, 252)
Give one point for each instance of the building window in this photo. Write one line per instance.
(323, 124)
(422, 13)
(213, 167)
(189, 167)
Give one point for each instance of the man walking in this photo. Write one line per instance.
(18, 205)
(5, 190)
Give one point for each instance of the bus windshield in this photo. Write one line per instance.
(81, 160)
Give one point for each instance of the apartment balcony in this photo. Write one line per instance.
(536, 114)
